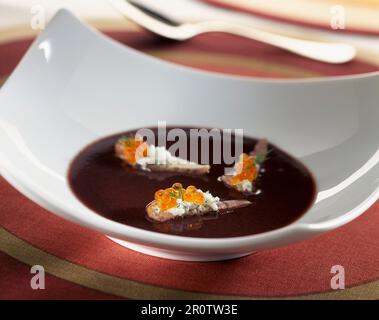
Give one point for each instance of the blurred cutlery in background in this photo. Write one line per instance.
(154, 21)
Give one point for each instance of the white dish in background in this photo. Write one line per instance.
(75, 85)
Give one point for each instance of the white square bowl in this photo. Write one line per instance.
(75, 85)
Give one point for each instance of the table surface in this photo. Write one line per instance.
(81, 263)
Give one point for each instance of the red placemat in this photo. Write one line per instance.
(81, 263)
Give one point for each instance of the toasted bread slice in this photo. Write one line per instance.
(185, 167)
(260, 148)
(155, 214)
(190, 168)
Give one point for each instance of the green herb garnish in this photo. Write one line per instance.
(177, 196)
(126, 140)
(262, 157)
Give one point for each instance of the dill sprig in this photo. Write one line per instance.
(260, 158)
(177, 196)
(127, 140)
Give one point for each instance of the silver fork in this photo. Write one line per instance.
(329, 52)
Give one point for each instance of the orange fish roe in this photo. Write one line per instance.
(134, 149)
(245, 168)
(191, 195)
(167, 198)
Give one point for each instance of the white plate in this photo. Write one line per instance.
(75, 85)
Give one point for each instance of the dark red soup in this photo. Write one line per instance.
(120, 193)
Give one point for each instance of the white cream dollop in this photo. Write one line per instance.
(184, 207)
(160, 156)
(245, 186)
